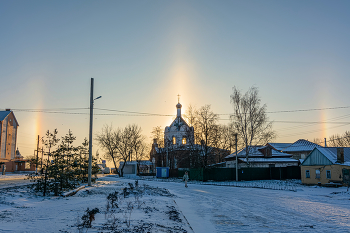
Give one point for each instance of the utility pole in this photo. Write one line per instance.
(42, 157)
(90, 130)
(37, 156)
(236, 159)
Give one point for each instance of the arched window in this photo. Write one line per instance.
(184, 141)
(174, 140)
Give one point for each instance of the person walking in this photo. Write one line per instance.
(185, 178)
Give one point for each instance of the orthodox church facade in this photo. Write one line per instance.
(178, 133)
(180, 150)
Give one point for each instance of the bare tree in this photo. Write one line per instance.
(107, 141)
(158, 134)
(227, 137)
(141, 150)
(318, 141)
(206, 127)
(120, 144)
(337, 140)
(250, 120)
(190, 115)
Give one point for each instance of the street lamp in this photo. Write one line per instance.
(90, 131)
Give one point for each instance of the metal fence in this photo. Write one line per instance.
(222, 174)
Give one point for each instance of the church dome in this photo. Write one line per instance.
(178, 105)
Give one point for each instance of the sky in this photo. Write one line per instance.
(142, 54)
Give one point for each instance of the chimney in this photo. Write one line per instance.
(325, 142)
(266, 151)
(340, 155)
(8, 109)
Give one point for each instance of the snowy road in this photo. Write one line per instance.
(230, 209)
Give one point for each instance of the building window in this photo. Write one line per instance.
(318, 174)
(174, 140)
(328, 172)
(307, 173)
(302, 156)
(184, 141)
(27, 165)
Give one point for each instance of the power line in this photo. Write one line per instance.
(132, 112)
(60, 110)
(308, 110)
(313, 131)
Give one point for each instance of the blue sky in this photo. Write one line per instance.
(142, 54)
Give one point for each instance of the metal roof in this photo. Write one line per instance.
(279, 146)
(301, 145)
(330, 153)
(255, 152)
(4, 114)
(270, 160)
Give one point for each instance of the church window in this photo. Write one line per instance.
(184, 141)
(174, 140)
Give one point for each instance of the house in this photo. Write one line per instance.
(260, 157)
(300, 149)
(325, 166)
(8, 135)
(180, 150)
(19, 164)
(10, 158)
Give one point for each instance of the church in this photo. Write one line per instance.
(180, 150)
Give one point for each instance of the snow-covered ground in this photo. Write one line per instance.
(9, 176)
(170, 207)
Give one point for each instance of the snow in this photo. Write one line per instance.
(11, 176)
(170, 207)
(301, 145)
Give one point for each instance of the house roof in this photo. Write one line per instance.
(269, 160)
(279, 146)
(4, 114)
(301, 145)
(331, 153)
(255, 151)
(178, 122)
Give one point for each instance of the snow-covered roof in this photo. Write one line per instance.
(146, 162)
(269, 160)
(255, 151)
(301, 145)
(178, 122)
(331, 153)
(330, 156)
(279, 146)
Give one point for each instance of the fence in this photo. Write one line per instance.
(223, 174)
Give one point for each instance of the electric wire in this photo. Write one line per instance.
(60, 110)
